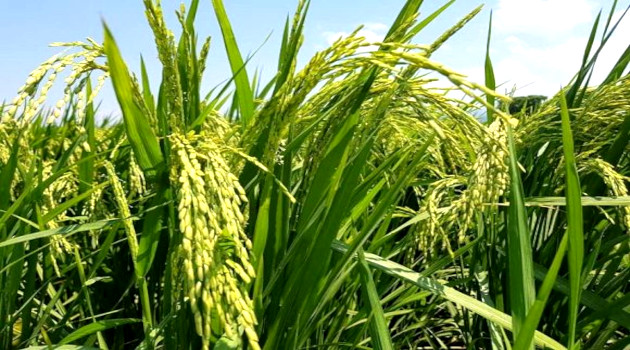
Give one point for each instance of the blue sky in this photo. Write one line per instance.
(536, 46)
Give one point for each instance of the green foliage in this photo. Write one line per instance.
(526, 104)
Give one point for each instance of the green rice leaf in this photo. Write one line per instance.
(244, 93)
(65, 230)
(489, 73)
(97, 326)
(141, 136)
(598, 201)
(381, 339)
(575, 223)
(7, 173)
(149, 100)
(441, 289)
(428, 20)
(521, 263)
(526, 335)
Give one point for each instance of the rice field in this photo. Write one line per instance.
(349, 203)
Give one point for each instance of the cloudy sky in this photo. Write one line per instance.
(537, 45)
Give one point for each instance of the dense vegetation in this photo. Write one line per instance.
(347, 204)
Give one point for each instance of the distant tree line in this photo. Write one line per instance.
(524, 104)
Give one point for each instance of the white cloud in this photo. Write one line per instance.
(372, 32)
(543, 17)
(538, 68)
(539, 44)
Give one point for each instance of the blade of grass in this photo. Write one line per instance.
(409, 10)
(86, 169)
(139, 132)
(572, 92)
(149, 101)
(88, 299)
(65, 230)
(530, 324)
(7, 173)
(575, 223)
(381, 339)
(489, 74)
(95, 327)
(520, 261)
(617, 71)
(588, 299)
(243, 89)
(440, 289)
(586, 201)
(425, 22)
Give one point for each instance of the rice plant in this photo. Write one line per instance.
(347, 203)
